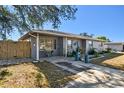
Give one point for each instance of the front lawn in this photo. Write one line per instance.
(113, 60)
(33, 75)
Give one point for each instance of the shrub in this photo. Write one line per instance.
(92, 51)
(4, 73)
(101, 52)
(96, 54)
(109, 50)
(71, 54)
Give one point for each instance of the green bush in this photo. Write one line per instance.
(4, 73)
(96, 54)
(109, 50)
(102, 52)
(71, 54)
(92, 51)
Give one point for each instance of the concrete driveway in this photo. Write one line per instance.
(90, 75)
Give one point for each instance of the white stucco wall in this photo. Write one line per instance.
(75, 46)
(105, 47)
(74, 43)
(95, 44)
(116, 47)
(98, 45)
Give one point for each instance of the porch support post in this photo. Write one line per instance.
(66, 46)
(37, 47)
(87, 47)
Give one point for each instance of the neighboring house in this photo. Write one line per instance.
(56, 43)
(115, 46)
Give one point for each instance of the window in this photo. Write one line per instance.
(55, 44)
(42, 44)
(46, 44)
(69, 44)
(101, 44)
(91, 43)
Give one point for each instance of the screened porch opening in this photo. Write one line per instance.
(47, 47)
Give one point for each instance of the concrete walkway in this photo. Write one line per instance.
(91, 75)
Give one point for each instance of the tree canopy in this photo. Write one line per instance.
(103, 38)
(27, 17)
(86, 34)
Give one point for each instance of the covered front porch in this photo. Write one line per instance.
(53, 43)
(45, 46)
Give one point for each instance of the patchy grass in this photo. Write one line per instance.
(32, 75)
(22, 75)
(113, 60)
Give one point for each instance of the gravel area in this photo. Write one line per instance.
(15, 61)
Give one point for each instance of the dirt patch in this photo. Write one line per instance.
(69, 65)
(22, 76)
(34, 75)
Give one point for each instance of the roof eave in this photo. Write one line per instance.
(26, 36)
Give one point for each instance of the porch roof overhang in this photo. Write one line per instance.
(56, 33)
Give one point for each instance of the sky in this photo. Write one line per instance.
(98, 20)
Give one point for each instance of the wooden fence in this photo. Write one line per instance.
(10, 49)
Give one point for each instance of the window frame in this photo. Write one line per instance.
(54, 44)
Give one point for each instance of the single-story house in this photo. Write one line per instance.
(115, 46)
(56, 43)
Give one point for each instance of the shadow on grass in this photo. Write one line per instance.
(57, 77)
